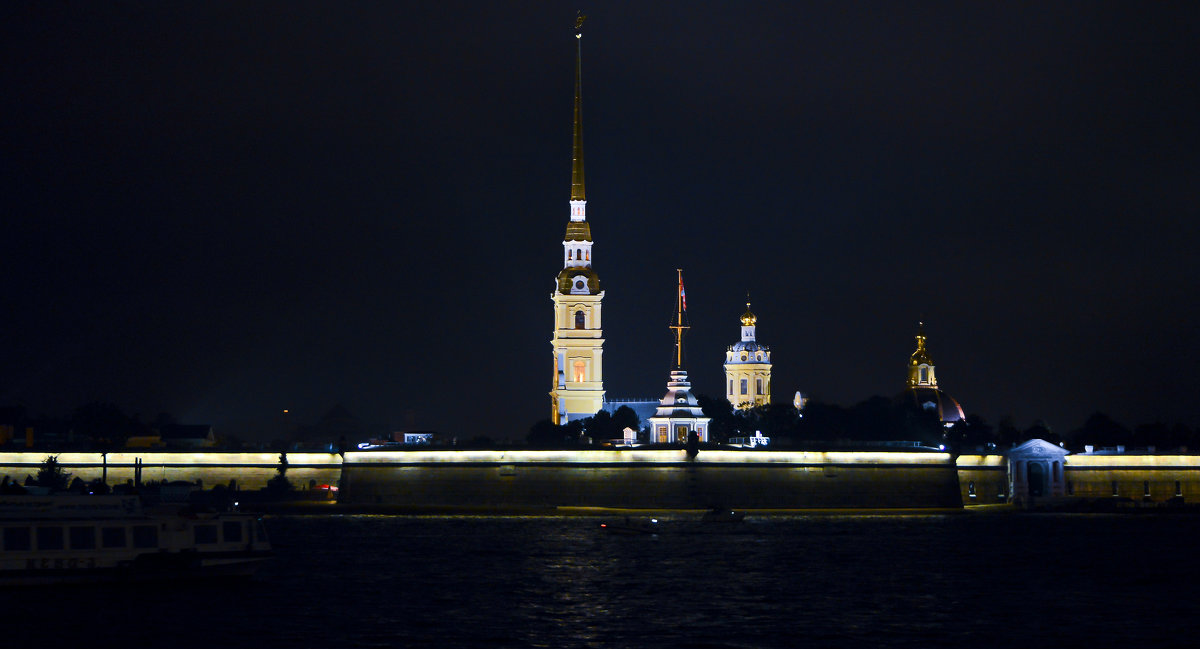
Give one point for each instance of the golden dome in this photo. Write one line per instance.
(748, 318)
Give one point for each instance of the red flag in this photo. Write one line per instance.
(682, 294)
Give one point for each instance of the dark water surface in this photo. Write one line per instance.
(965, 580)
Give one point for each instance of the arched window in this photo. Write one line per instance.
(570, 254)
(743, 386)
(587, 255)
(579, 319)
(580, 371)
(924, 374)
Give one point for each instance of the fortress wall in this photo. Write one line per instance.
(989, 473)
(650, 479)
(250, 470)
(1092, 476)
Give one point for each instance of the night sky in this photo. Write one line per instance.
(222, 210)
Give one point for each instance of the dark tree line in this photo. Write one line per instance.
(877, 419)
(583, 432)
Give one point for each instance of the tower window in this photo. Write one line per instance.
(579, 319)
(580, 371)
(570, 254)
(730, 386)
(758, 386)
(924, 374)
(743, 386)
(587, 255)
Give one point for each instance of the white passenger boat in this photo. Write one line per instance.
(73, 539)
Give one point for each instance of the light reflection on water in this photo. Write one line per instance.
(837, 581)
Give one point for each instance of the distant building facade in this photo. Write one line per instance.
(748, 368)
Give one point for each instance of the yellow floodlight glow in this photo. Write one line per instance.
(643, 457)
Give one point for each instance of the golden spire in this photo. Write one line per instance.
(577, 193)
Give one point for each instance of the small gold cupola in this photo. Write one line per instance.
(920, 366)
(748, 318)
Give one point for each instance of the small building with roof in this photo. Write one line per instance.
(678, 415)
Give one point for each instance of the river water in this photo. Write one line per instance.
(960, 580)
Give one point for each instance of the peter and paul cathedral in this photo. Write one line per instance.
(578, 342)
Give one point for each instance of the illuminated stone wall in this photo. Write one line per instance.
(650, 479)
(637, 478)
(986, 476)
(1145, 478)
(250, 470)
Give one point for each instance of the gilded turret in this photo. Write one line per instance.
(923, 385)
(920, 366)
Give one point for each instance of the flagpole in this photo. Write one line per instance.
(679, 322)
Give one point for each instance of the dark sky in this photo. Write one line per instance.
(225, 209)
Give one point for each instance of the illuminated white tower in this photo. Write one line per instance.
(578, 342)
(748, 368)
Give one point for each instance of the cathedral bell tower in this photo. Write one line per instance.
(578, 342)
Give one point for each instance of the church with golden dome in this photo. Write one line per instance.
(923, 385)
(748, 368)
(578, 340)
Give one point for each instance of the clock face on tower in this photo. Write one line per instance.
(579, 283)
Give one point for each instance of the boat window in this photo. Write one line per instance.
(145, 536)
(83, 538)
(112, 537)
(50, 538)
(205, 533)
(231, 531)
(16, 538)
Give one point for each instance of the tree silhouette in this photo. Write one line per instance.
(51, 475)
